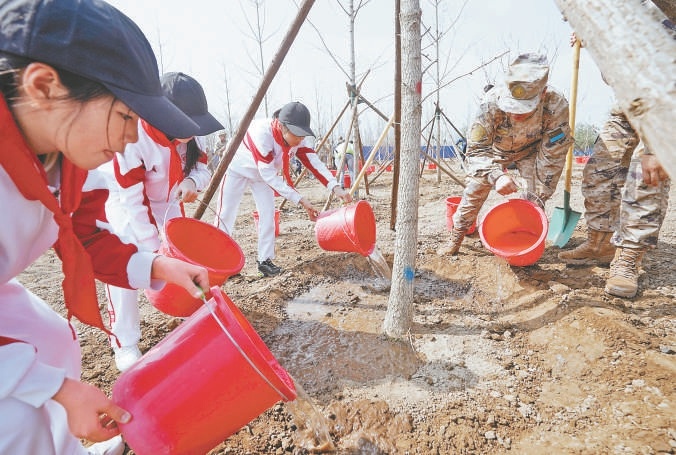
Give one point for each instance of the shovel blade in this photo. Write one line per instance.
(562, 225)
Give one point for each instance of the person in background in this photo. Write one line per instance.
(346, 149)
(521, 121)
(219, 150)
(626, 197)
(150, 181)
(75, 75)
(267, 148)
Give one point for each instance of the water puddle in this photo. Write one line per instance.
(333, 339)
(333, 344)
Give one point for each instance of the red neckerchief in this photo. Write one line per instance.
(28, 174)
(279, 138)
(175, 163)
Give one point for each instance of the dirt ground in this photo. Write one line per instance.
(500, 359)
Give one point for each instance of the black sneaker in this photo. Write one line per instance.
(267, 268)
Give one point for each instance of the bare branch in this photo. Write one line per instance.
(326, 47)
(470, 72)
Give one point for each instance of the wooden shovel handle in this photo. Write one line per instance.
(571, 110)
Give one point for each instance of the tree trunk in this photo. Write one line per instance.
(400, 304)
(636, 55)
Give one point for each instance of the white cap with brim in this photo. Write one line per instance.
(524, 83)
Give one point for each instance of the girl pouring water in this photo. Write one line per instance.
(267, 149)
(147, 181)
(75, 76)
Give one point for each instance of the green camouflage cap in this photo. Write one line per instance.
(525, 80)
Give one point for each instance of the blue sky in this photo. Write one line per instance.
(202, 37)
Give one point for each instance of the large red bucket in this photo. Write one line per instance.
(196, 242)
(515, 230)
(207, 379)
(451, 206)
(350, 229)
(277, 214)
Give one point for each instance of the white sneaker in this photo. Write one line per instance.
(126, 356)
(113, 446)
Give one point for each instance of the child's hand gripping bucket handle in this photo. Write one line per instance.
(196, 242)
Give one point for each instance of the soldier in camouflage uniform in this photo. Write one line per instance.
(626, 192)
(522, 121)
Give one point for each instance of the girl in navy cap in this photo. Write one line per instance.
(267, 148)
(75, 75)
(149, 178)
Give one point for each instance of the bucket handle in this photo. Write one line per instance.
(241, 351)
(524, 192)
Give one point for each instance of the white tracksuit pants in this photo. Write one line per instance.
(125, 318)
(24, 428)
(123, 305)
(230, 195)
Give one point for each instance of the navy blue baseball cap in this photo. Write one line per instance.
(296, 117)
(94, 40)
(186, 93)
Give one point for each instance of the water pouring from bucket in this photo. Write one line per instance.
(352, 229)
(207, 379)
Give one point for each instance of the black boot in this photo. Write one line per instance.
(267, 268)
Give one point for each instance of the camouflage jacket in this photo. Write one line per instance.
(494, 139)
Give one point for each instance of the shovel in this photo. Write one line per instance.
(564, 219)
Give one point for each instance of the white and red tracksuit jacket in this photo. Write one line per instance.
(142, 189)
(37, 349)
(263, 158)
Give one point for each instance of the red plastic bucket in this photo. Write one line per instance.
(196, 242)
(451, 206)
(347, 181)
(349, 229)
(515, 230)
(207, 379)
(255, 217)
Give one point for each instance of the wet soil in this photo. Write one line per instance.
(500, 359)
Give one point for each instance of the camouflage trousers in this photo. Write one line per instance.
(540, 171)
(615, 197)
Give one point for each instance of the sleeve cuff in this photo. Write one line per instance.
(493, 176)
(40, 381)
(139, 271)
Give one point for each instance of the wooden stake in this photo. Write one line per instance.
(269, 75)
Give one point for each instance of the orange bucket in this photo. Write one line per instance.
(196, 242)
(350, 229)
(451, 206)
(515, 230)
(207, 379)
(255, 217)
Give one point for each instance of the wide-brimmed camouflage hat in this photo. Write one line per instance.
(525, 80)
